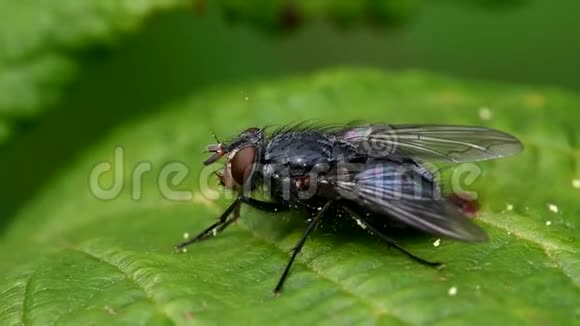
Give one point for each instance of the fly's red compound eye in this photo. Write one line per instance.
(241, 164)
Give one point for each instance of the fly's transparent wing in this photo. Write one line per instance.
(447, 143)
(407, 196)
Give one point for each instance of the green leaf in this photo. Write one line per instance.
(70, 258)
(4, 131)
(38, 41)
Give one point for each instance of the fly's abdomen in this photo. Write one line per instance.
(291, 159)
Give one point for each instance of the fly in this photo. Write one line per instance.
(373, 174)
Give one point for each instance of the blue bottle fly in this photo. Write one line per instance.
(374, 174)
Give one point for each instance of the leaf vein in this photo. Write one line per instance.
(379, 309)
(129, 275)
(25, 298)
(548, 246)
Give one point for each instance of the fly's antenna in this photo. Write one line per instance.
(214, 136)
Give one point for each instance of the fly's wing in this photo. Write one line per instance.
(409, 197)
(447, 143)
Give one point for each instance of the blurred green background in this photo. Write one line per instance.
(178, 51)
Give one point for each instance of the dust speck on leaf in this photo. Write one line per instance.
(110, 310)
(452, 291)
(485, 113)
(437, 243)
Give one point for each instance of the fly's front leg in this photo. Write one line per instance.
(234, 210)
(214, 227)
(257, 204)
(235, 217)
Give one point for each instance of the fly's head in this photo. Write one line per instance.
(241, 157)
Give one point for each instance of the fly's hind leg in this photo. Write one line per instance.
(363, 223)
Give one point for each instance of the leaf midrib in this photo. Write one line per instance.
(548, 246)
(131, 278)
(378, 309)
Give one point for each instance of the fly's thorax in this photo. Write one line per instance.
(299, 163)
(300, 149)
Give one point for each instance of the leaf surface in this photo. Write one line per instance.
(71, 258)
